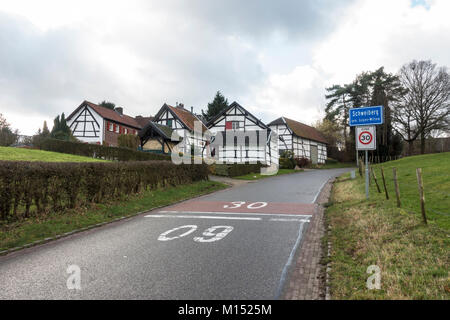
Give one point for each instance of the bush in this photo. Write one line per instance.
(287, 160)
(34, 188)
(129, 141)
(331, 161)
(302, 162)
(286, 163)
(98, 151)
(236, 169)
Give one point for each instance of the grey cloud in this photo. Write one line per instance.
(202, 47)
(259, 18)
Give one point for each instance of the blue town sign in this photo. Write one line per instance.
(365, 116)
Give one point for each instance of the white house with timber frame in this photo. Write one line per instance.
(253, 141)
(92, 123)
(301, 139)
(182, 122)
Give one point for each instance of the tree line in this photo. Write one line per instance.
(416, 104)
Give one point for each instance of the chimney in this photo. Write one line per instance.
(181, 106)
(192, 109)
(119, 110)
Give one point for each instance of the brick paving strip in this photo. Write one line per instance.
(307, 278)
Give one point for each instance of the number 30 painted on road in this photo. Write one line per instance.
(210, 232)
(238, 204)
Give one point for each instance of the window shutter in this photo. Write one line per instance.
(228, 125)
(114, 127)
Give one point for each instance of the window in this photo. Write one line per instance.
(169, 123)
(116, 128)
(231, 125)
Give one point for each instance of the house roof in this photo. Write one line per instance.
(300, 129)
(109, 114)
(185, 116)
(164, 131)
(143, 121)
(237, 105)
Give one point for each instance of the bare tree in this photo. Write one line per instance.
(426, 105)
(3, 122)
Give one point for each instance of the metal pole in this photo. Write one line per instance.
(367, 176)
(357, 158)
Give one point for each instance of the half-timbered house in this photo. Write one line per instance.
(158, 138)
(253, 141)
(92, 123)
(183, 122)
(301, 139)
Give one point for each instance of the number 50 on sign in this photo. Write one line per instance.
(366, 138)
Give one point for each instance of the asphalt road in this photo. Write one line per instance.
(234, 244)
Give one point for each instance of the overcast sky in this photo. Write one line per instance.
(273, 57)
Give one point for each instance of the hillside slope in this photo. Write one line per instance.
(21, 154)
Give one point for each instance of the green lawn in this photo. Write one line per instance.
(256, 176)
(22, 154)
(33, 229)
(413, 257)
(436, 180)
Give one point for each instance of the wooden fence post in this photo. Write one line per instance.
(421, 193)
(384, 183)
(375, 179)
(397, 189)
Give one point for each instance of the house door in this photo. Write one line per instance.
(314, 154)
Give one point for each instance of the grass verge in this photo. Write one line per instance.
(33, 229)
(413, 258)
(22, 154)
(334, 165)
(257, 176)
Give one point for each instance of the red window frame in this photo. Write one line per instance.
(228, 125)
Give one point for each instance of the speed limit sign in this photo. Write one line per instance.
(366, 138)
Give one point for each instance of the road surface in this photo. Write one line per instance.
(233, 244)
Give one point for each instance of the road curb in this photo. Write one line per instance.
(100, 224)
(328, 248)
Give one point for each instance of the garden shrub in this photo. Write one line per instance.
(287, 160)
(302, 162)
(130, 141)
(98, 151)
(236, 169)
(36, 188)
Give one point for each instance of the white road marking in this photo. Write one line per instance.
(315, 198)
(255, 205)
(288, 220)
(215, 236)
(289, 261)
(203, 217)
(242, 213)
(163, 236)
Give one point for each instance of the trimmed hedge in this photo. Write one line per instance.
(98, 151)
(34, 188)
(236, 169)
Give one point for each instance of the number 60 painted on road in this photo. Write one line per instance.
(210, 232)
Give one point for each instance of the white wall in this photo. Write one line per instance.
(78, 131)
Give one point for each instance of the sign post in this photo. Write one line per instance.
(365, 119)
(366, 140)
